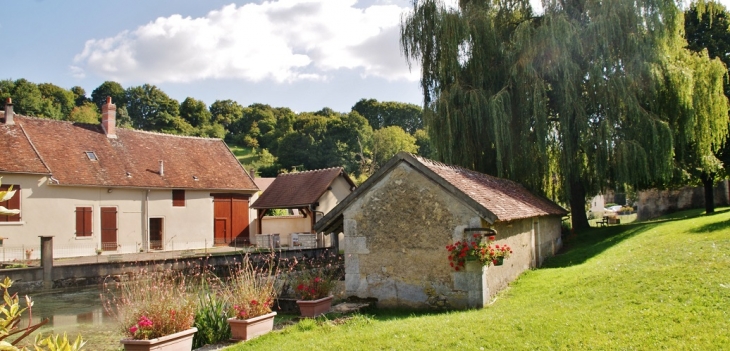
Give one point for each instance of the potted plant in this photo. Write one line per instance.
(156, 311)
(251, 291)
(485, 252)
(313, 287)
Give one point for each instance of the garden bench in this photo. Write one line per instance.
(603, 222)
(115, 258)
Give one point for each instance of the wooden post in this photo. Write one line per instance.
(260, 214)
(47, 261)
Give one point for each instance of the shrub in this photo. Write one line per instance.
(252, 287)
(156, 304)
(315, 278)
(211, 320)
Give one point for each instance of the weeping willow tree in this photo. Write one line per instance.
(577, 95)
(707, 29)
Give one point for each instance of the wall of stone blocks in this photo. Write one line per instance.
(395, 238)
(654, 203)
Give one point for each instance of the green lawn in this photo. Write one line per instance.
(245, 155)
(647, 286)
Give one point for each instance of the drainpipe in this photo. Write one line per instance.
(146, 236)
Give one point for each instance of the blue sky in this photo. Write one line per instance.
(302, 54)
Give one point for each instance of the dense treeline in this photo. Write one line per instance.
(360, 140)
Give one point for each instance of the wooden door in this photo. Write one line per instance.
(156, 227)
(221, 230)
(239, 215)
(109, 228)
(231, 218)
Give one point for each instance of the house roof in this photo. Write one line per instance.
(130, 160)
(296, 190)
(263, 183)
(23, 158)
(495, 199)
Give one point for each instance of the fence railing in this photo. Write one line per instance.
(295, 241)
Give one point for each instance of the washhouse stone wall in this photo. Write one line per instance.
(395, 236)
(654, 203)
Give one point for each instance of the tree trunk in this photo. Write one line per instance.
(578, 206)
(708, 181)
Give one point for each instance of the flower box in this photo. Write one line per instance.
(181, 341)
(314, 308)
(247, 329)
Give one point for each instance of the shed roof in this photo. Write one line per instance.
(495, 199)
(132, 159)
(301, 189)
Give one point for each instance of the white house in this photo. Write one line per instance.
(119, 190)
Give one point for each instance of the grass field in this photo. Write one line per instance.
(245, 155)
(660, 285)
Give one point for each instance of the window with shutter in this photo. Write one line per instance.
(12, 204)
(83, 221)
(178, 198)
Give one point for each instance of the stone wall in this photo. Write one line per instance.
(395, 236)
(654, 203)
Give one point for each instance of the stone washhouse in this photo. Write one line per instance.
(398, 223)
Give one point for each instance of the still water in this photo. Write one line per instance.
(75, 312)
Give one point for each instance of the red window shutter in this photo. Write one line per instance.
(83, 221)
(178, 198)
(12, 204)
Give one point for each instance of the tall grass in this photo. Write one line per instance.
(644, 286)
(156, 303)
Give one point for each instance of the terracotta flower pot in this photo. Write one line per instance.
(181, 341)
(246, 329)
(314, 308)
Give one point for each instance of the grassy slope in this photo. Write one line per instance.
(657, 285)
(245, 155)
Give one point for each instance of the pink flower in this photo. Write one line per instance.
(133, 329)
(317, 279)
(144, 322)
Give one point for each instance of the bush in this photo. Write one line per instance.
(154, 305)
(211, 319)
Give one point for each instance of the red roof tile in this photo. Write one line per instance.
(293, 190)
(495, 199)
(506, 199)
(130, 160)
(16, 153)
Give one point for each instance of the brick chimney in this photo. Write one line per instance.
(109, 118)
(9, 114)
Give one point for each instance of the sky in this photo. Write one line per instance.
(301, 54)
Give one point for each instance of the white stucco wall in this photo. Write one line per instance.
(49, 210)
(330, 198)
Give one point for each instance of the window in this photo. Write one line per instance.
(12, 204)
(178, 198)
(91, 155)
(83, 221)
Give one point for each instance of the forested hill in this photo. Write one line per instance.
(275, 138)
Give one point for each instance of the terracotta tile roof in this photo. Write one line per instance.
(130, 160)
(495, 199)
(263, 183)
(293, 190)
(506, 199)
(16, 153)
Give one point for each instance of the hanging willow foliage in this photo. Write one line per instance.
(589, 95)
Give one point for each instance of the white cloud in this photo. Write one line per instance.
(283, 41)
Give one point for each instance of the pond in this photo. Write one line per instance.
(75, 312)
